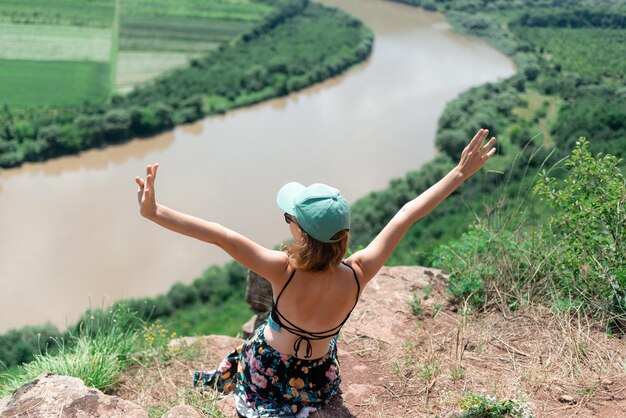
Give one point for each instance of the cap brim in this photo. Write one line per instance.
(287, 195)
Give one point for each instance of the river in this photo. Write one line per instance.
(70, 233)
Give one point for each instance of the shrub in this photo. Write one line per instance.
(477, 406)
(573, 258)
(588, 227)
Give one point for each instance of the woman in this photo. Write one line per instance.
(289, 366)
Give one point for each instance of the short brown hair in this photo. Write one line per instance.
(310, 254)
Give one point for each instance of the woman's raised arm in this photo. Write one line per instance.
(268, 263)
(474, 156)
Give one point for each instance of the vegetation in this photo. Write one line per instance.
(211, 303)
(540, 111)
(83, 32)
(577, 50)
(572, 259)
(518, 235)
(298, 44)
(97, 356)
(85, 13)
(50, 83)
(477, 406)
(288, 51)
(562, 245)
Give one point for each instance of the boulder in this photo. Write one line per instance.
(259, 293)
(51, 396)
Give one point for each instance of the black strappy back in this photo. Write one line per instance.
(303, 335)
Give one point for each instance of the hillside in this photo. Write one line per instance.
(398, 364)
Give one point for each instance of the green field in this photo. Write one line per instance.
(52, 83)
(580, 50)
(54, 43)
(176, 34)
(136, 67)
(231, 10)
(94, 13)
(137, 40)
(157, 36)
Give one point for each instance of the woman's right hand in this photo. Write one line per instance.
(475, 155)
(145, 193)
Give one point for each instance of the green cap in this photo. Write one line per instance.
(320, 210)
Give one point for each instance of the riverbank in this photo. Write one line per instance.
(297, 45)
(382, 114)
(500, 105)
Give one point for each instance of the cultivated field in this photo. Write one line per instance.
(579, 50)
(52, 83)
(176, 33)
(56, 43)
(160, 35)
(136, 67)
(245, 10)
(63, 52)
(95, 13)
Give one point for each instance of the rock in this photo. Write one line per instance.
(567, 399)
(182, 411)
(259, 293)
(227, 406)
(217, 342)
(248, 328)
(51, 396)
(359, 393)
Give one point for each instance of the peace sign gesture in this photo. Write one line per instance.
(145, 193)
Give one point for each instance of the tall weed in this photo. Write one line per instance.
(569, 254)
(97, 357)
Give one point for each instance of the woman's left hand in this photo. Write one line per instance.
(476, 154)
(146, 193)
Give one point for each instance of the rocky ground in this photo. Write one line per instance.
(395, 363)
(401, 358)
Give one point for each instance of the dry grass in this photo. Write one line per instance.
(559, 364)
(396, 364)
(167, 381)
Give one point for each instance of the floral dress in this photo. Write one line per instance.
(267, 383)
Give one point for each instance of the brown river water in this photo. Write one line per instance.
(70, 232)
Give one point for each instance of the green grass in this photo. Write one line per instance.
(115, 46)
(244, 10)
(96, 357)
(93, 13)
(136, 67)
(203, 319)
(580, 50)
(54, 43)
(52, 83)
(65, 32)
(177, 33)
(540, 104)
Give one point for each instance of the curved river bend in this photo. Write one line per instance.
(70, 233)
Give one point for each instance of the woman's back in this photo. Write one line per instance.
(314, 304)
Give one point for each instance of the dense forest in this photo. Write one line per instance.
(545, 222)
(557, 96)
(544, 109)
